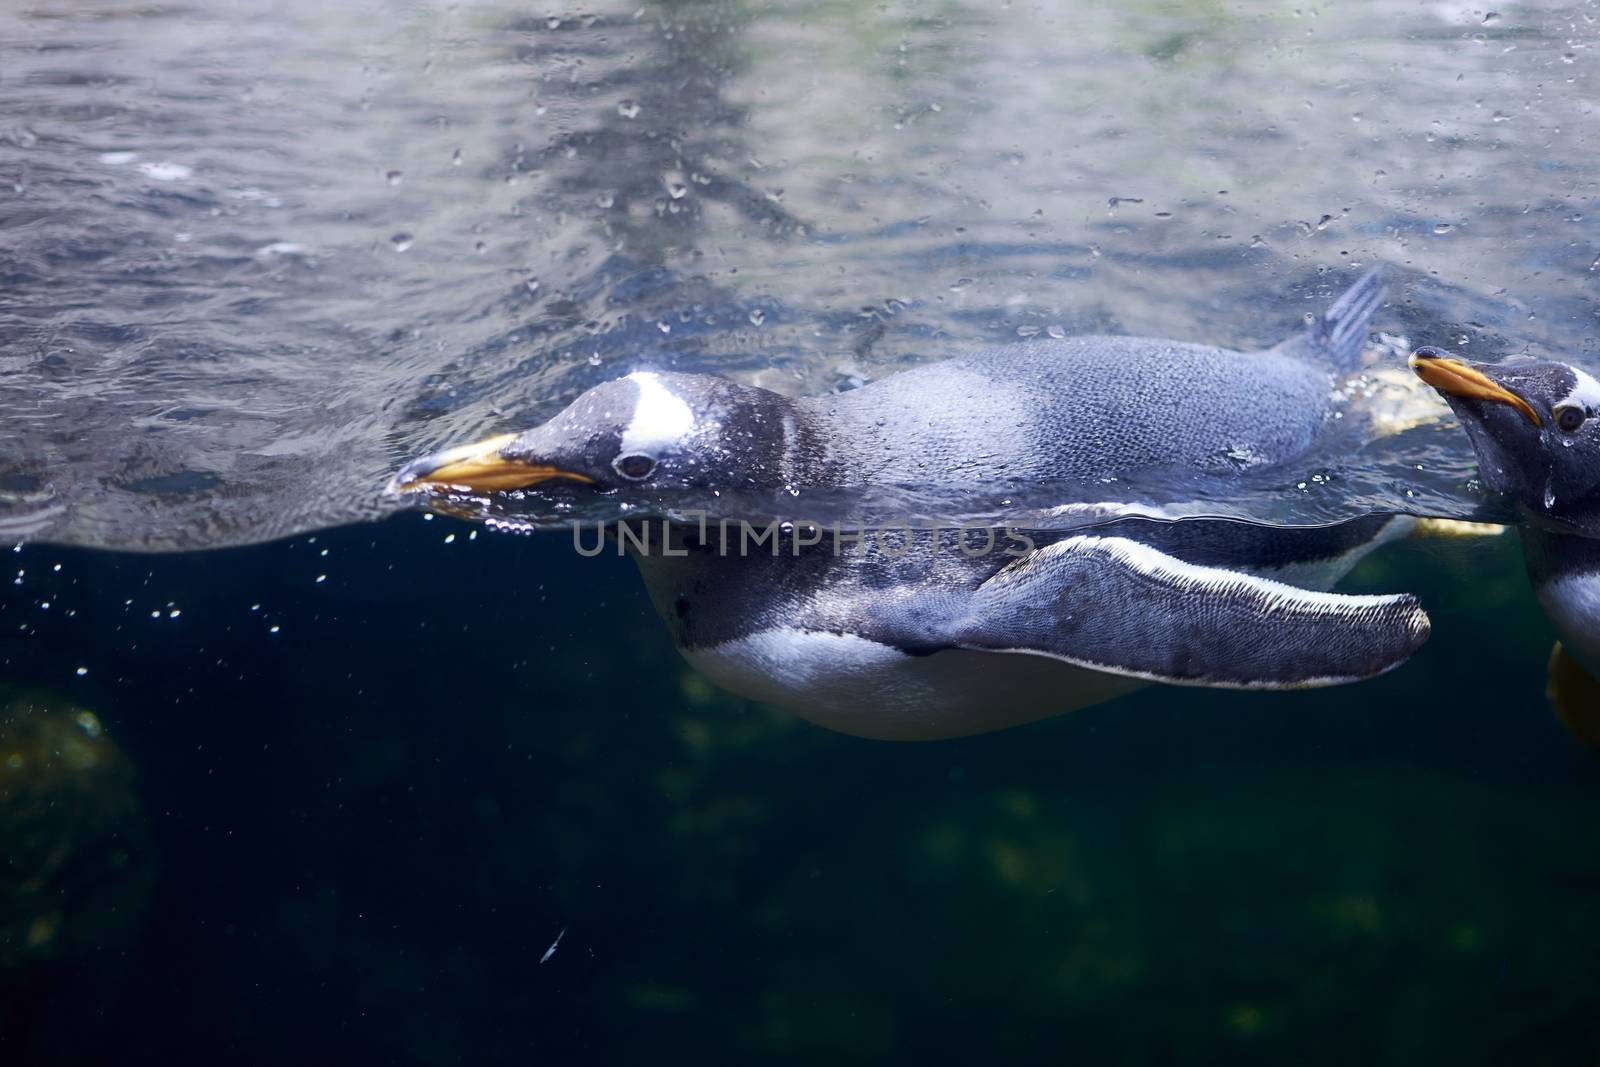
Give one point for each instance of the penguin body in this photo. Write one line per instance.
(1535, 426)
(941, 635)
(930, 639)
(1565, 572)
(1091, 409)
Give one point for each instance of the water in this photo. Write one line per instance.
(370, 823)
(260, 256)
(345, 789)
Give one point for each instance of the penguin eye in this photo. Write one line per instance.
(1570, 418)
(634, 467)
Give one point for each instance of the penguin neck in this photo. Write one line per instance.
(1565, 572)
(771, 439)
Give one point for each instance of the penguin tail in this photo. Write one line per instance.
(1338, 334)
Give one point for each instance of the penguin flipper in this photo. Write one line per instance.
(1338, 334)
(1117, 605)
(1575, 695)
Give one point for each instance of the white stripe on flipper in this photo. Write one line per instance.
(1184, 578)
(661, 418)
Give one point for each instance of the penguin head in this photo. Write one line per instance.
(646, 431)
(1535, 426)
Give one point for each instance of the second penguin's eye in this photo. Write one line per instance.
(1570, 418)
(634, 467)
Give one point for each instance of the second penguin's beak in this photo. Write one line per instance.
(481, 467)
(1452, 377)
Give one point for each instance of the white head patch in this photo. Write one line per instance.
(1586, 394)
(661, 419)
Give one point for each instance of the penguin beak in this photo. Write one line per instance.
(482, 467)
(1452, 377)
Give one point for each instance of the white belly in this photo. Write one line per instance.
(1573, 604)
(860, 687)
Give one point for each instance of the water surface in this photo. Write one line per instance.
(259, 255)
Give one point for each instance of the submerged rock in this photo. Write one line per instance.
(78, 863)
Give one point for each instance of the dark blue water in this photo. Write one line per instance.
(368, 826)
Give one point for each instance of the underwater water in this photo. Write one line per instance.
(325, 781)
(370, 803)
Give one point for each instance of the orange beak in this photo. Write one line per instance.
(478, 468)
(1455, 378)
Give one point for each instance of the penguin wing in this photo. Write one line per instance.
(1117, 605)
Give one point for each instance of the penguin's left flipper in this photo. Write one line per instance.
(1119, 606)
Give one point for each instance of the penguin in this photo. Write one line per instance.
(924, 634)
(949, 633)
(1535, 426)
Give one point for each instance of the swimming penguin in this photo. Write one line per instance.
(1535, 426)
(928, 638)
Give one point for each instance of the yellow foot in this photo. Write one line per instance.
(1575, 694)
(1456, 528)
